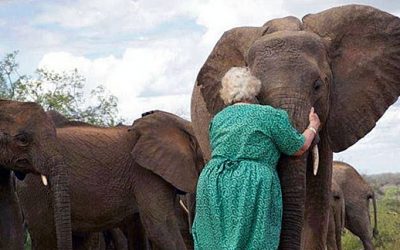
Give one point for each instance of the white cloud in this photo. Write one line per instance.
(152, 75)
(218, 16)
(109, 15)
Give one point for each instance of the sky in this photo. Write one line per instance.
(148, 52)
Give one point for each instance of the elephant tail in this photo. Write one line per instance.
(375, 231)
(342, 216)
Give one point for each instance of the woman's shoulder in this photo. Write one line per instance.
(273, 111)
(253, 108)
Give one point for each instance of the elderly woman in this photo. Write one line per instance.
(239, 200)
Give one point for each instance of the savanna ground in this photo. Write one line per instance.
(387, 189)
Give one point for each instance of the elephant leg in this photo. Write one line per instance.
(365, 236)
(11, 225)
(367, 243)
(134, 232)
(115, 239)
(88, 241)
(156, 201)
(358, 223)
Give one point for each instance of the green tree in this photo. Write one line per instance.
(63, 92)
(10, 79)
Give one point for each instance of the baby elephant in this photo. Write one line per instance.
(356, 193)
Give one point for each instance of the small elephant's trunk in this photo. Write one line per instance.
(61, 203)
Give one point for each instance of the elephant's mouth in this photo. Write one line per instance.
(23, 166)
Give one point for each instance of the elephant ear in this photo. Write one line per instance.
(228, 52)
(231, 51)
(364, 48)
(165, 144)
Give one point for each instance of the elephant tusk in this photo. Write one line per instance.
(183, 206)
(44, 180)
(315, 155)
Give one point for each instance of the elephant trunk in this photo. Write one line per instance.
(375, 231)
(61, 203)
(292, 173)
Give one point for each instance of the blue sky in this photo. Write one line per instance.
(148, 53)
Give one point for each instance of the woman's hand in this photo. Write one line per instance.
(314, 119)
(310, 132)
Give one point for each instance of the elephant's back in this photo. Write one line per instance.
(91, 145)
(101, 174)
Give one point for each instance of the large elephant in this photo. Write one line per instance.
(115, 173)
(336, 218)
(344, 61)
(29, 145)
(357, 195)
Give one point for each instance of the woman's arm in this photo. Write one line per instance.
(310, 132)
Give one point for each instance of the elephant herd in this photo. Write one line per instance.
(136, 190)
(110, 175)
(79, 186)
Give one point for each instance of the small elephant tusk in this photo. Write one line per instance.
(44, 180)
(315, 155)
(183, 206)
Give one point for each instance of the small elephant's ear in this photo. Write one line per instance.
(230, 51)
(364, 48)
(164, 145)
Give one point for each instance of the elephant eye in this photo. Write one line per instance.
(317, 84)
(336, 197)
(22, 140)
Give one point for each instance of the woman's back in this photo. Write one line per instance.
(247, 132)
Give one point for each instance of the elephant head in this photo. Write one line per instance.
(28, 145)
(344, 61)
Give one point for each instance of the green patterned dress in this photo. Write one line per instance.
(239, 200)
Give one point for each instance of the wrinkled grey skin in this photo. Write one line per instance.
(336, 218)
(344, 62)
(357, 196)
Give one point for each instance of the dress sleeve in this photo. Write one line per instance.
(284, 135)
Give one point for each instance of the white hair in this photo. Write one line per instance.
(238, 84)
